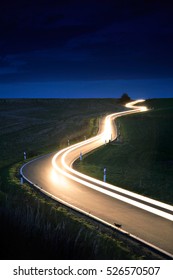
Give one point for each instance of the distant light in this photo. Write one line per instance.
(139, 108)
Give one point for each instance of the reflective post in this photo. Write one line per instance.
(104, 174)
(24, 155)
(21, 180)
(80, 155)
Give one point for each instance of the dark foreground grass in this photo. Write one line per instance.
(33, 226)
(143, 160)
(36, 227)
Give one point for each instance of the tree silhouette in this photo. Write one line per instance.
(124, 98)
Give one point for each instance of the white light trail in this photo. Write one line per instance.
(131, 105)
(90, 182)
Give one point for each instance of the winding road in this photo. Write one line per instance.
(142, 218)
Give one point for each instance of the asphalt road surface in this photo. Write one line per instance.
(147, 219)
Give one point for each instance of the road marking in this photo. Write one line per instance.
(108, 132)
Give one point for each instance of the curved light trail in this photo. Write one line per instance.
(140, 217)
(108, 133)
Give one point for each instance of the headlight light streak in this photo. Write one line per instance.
(90, 182)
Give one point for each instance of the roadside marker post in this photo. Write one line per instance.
(24, 155)
(80, 155)
(104, 174)
(21, 180)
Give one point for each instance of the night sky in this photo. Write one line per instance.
(79, 48)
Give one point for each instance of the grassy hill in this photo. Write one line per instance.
(42, 125)
(143, 159)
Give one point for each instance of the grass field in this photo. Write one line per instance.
(42, 125)
(143, 159)
(33, 226)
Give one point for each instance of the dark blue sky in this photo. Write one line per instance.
(97, 48)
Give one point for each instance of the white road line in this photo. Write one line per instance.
(106, 134)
